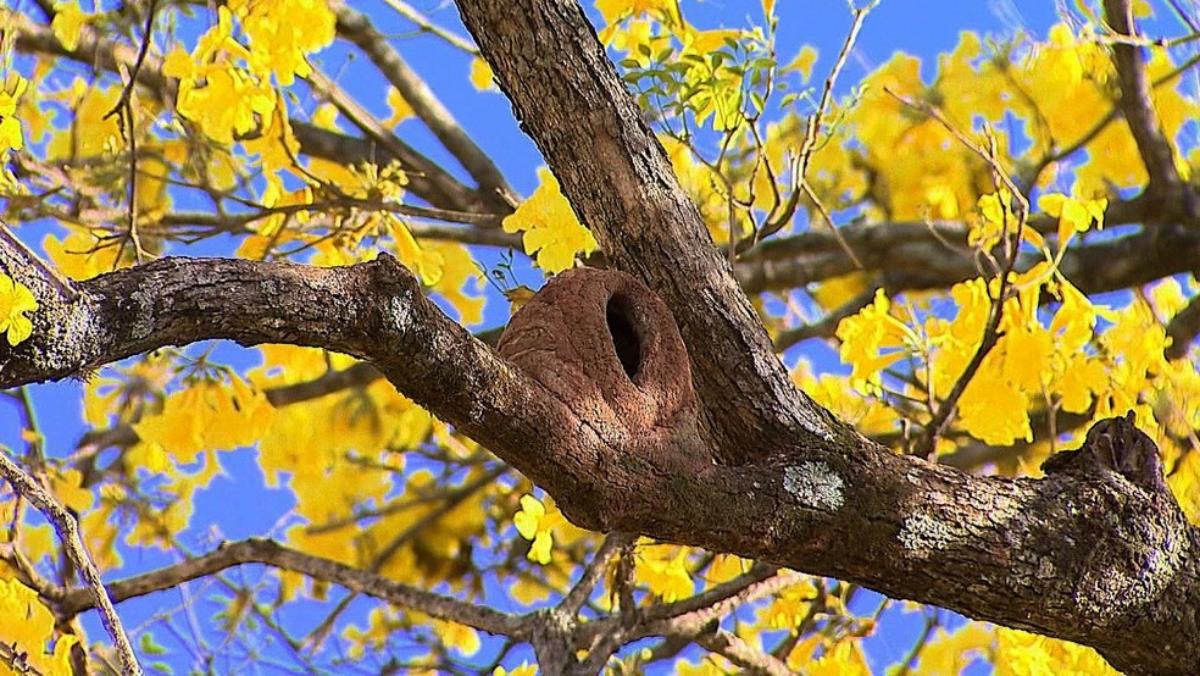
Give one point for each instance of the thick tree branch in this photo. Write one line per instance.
(934, 262)
(1095, 559)
(620, 182)
(594, 400)
(1137, 105)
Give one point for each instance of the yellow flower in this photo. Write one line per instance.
(663, 569)
(531, 523)
(68, 22)
(615, 10)
(866, 334)
(10, 127)
(481, 75)
(33, 631)
(15, 301)
(524, 670)
(401, 110)
(1074, 215)
(551, 228)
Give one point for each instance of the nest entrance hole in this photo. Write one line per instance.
(624, 335)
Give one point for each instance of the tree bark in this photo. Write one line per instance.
(1097, 552)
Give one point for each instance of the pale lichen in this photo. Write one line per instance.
(399, 313)
(923, 533)
(814, 485)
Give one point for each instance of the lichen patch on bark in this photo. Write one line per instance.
(815, 485)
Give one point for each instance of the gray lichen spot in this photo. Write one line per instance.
(814, 485)
(399, 313)
(143, 315)
(923, 533)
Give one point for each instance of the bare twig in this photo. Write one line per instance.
(273, 554)
(423, 24)
(813, 128)
(594, 571)
(67, 527)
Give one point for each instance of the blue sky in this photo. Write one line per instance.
(238, 506)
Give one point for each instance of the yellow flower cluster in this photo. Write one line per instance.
(552, 232)
(27, 630)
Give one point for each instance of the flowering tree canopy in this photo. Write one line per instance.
(656, 464)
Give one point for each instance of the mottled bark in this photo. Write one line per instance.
(1097, 552)
(1090, 556)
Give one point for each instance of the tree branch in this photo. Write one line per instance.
(1137, 105)
(1098, 554)
(621, 184)
(1183, 329)
(426, 179)
(67, 527)
(273, 554)
(1123, 558)
(356, 28)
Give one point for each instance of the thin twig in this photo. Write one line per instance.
(1011, 238)
(575, 598)
(67, 527)
(998, 171)
(426, 26)
(809, 143)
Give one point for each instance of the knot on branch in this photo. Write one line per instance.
(609, 348)
(1113, 445)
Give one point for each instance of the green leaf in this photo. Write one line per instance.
(149, 646)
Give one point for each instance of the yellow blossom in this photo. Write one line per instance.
(524, 670)
(481, 75)
(69, 20)
(551, 229)
(15, 301)
(532, 524)
(10, 126)
(34, 631)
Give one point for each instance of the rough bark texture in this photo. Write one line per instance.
(594, 399)
(621, 184)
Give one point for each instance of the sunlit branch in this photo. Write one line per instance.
(357, 28)
(273, 554)
(67, 527)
